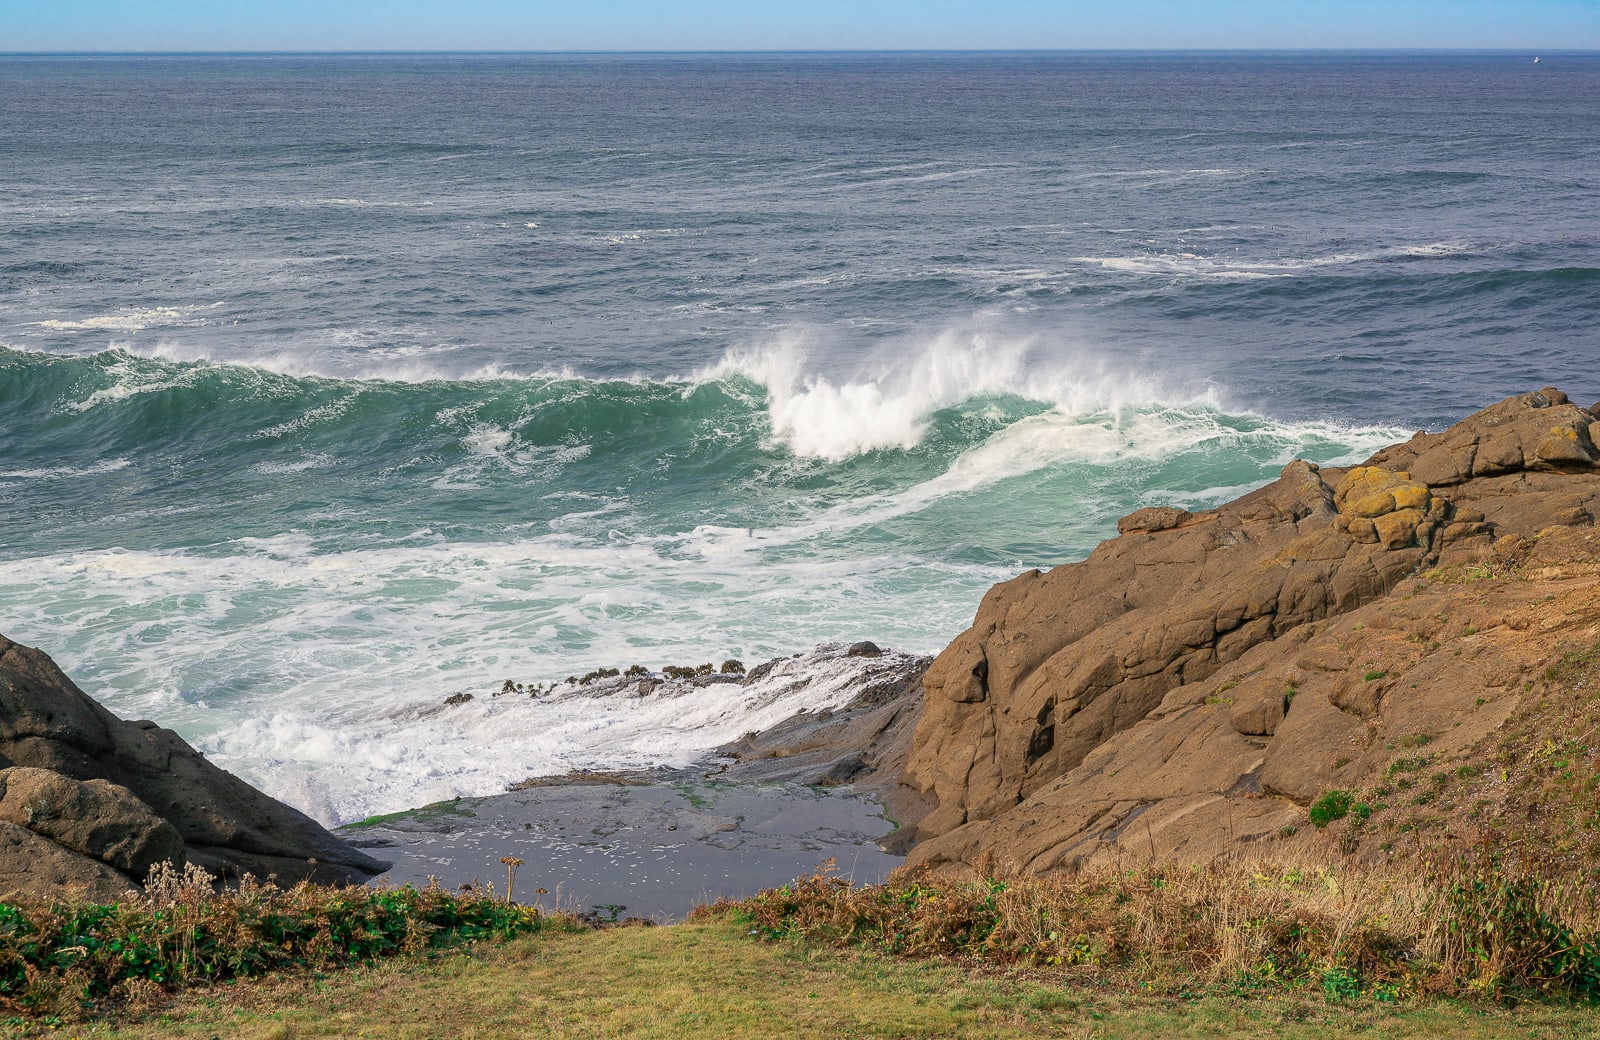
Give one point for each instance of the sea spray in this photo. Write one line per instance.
(390, 759)
(889, 398)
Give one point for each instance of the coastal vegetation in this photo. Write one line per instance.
(66, 960)
(1466, 927)
(1466, 949)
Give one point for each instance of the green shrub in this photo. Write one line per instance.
(1338, 983)
(1329, 806)
(1505, 926)
(184, 931)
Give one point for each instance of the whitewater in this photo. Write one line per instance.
(335, 387)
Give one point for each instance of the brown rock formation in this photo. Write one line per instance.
(121, 795)
(95, 818)
(36, 866)
(1200, 678)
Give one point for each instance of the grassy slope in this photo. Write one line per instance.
(710, 979)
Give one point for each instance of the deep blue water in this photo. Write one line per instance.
(330, 386)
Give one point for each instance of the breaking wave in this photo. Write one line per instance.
(288, 567)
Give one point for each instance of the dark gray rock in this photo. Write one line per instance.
(94, 817)
(862, 745)
(226, 825)
(32, 866)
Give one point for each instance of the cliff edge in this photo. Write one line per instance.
(1334, 640)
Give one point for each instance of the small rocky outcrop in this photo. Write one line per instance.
(91, 801)
(1196, 681)
(31, 865)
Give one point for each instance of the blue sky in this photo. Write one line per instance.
(133, 25)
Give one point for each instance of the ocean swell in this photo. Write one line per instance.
(288, 569)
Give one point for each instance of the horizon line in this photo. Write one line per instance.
(396, 52)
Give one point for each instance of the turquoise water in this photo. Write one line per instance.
(331, 387)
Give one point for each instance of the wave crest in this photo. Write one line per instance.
(890, 402)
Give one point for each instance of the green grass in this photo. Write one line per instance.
(710, 978)
(449, 807)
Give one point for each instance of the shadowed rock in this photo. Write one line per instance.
(114, 780)
(36, 866)
(862, 744)
(95, 818)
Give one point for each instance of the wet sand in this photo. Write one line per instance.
(634, 849)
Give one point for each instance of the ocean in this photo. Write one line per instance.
(334, 386)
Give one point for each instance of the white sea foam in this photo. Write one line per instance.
(1187, 264)
(484, 439)
(847, 176)
(889, 403)
(1101, 440)
(304, 670)
(306, 667)
(65, 472)
(832, 412)
(1199, 265)
(316, 460)
(135, 319)
(493, 449)
(311, 417)
(1164, 174)
(886, 401)
(422, 755)
(303, 666)
(393, 364)
(131, 381)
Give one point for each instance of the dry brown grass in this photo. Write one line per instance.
(1460, 928)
